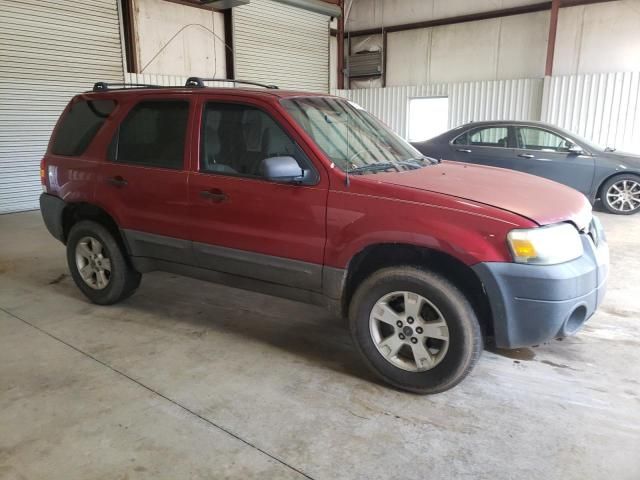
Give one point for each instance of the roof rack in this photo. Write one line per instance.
(102, 86)
(199, 82)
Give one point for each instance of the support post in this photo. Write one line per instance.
(340, 39)
(551, 43)
(384, 58)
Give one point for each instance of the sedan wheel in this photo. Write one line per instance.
(622, 195)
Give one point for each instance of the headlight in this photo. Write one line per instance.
(545, 245)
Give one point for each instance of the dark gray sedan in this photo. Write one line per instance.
(546, 151)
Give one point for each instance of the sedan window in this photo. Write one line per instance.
(531, 138)
(485, 137)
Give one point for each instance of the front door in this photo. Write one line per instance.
(143, 183)
(242, 223)
(546, 154)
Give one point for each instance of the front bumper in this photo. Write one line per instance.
(532, 304)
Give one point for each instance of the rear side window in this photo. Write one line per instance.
(152, 134)
(485, 137)
(79, 125)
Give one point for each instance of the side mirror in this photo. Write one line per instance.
(576, 149)
(282, 169)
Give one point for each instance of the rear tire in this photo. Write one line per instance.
(98, 265)
(443, 340)
(620, 194)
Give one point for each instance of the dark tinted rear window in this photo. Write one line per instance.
(153, 134)
(79, 125)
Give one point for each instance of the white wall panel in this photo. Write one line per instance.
(599, 37)
(49, 51)
(153, 79)
(602, 37)
(602, 107)
(494, 49)
(468, 101)
(409, 57)
(179, 39)
(367, 14)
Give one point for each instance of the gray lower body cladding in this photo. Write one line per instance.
(51, 208)
(532, 304)
(294, 279)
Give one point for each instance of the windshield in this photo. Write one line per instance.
(355, 141)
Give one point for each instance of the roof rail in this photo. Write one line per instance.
(199, 82)
(102, 86)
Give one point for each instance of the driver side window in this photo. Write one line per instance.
(543, 140)
(237, 138)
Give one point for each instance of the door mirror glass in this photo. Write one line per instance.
(576, 149)
(282, 169)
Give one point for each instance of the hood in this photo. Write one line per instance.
(538, 199)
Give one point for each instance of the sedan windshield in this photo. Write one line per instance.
(355, 141)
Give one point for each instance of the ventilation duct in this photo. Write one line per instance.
(365, 64)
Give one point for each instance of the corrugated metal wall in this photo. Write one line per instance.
(282, 45)
(49, 51)
(468, 101)
(603, 107)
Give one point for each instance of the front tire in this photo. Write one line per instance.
(620, 195)
(415, 330)
(98, 265)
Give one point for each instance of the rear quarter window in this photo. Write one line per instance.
(79, 125)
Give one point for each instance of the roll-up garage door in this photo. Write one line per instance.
(281, 44)
(49, 51)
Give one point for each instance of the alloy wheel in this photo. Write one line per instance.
(624, 196)
(93, 263)
(409, 331)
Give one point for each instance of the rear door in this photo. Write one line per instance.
(242, 223)
(489, 145)
(143, 182)
(546, 154)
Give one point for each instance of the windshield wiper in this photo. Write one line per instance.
(373, 167)
(434, 161)
(424, 161)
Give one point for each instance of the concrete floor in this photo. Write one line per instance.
(192, 380)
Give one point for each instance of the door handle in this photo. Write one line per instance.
(526, 155)
(215, 195)
(463, 150)
(117, 181)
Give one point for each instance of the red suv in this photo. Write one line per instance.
(309, 197)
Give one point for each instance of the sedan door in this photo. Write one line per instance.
(489, 145)
(546, 154)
